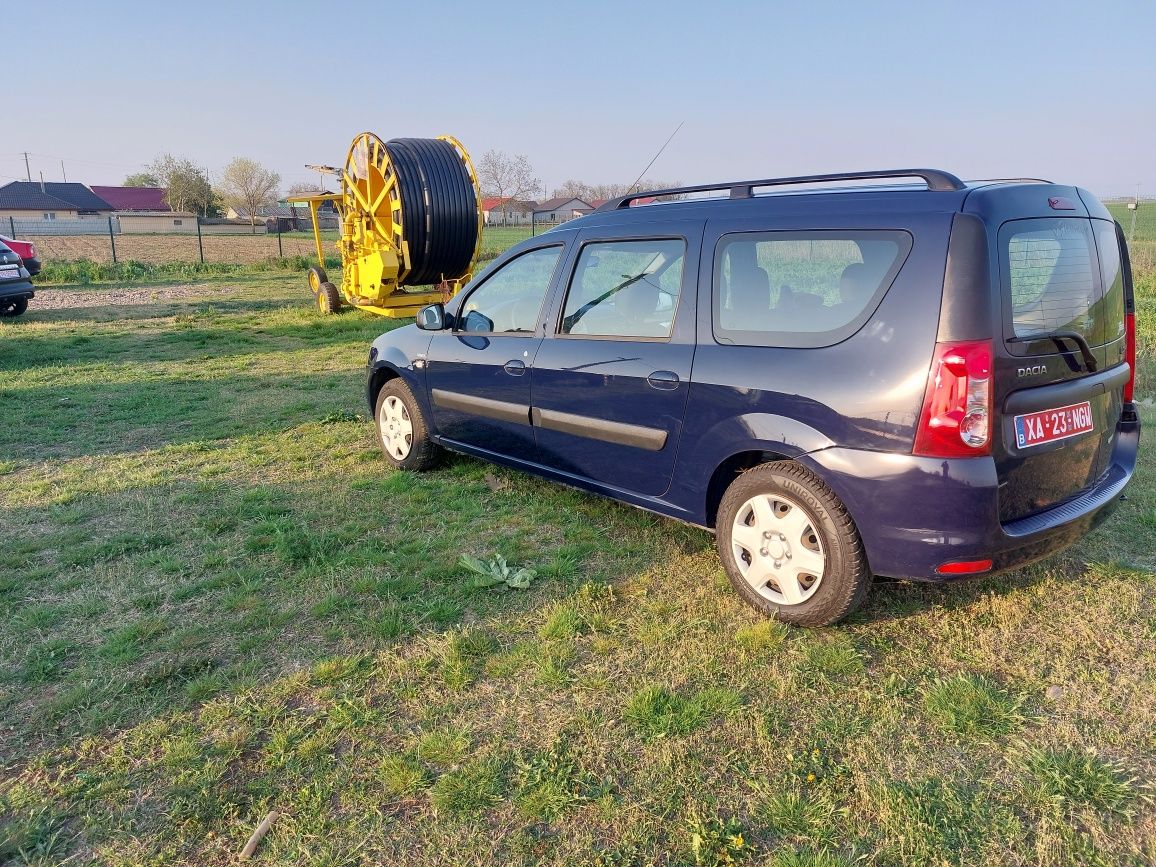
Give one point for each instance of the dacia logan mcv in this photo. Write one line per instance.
(924, 381)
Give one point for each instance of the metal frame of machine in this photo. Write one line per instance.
(375, 257)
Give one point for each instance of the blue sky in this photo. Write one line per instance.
(590, 90)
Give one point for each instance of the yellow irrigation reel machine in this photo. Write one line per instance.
(410, 213)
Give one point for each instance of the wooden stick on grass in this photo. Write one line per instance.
(259, 835)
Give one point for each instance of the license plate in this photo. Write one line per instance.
(1049, 425)
(7, 272)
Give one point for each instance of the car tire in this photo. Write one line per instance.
(12, 307)
(402, 432)
(328, 299)
(789, 546)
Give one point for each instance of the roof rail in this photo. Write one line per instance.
(937, 180)
(1010, 181)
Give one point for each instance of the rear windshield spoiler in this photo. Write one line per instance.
(1059, 337)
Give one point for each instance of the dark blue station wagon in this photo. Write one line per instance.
(924, 381)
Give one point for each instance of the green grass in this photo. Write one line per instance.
(216, 600)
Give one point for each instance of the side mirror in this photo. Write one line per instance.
(432, 317)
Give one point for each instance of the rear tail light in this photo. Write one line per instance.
(1130, 355)
(32, 250)
(955, 421)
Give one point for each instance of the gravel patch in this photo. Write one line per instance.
(63, 299)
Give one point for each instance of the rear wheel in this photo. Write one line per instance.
(401, 429)
(328, 298)
(10, 307)
(316, 276)
(789, 546)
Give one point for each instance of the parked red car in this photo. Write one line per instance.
(26, 250)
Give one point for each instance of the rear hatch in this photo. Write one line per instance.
(1059, 370)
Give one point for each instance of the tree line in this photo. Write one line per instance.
(244, 185)
(511, 176)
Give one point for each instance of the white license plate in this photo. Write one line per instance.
(7, 272)
(1049, 425)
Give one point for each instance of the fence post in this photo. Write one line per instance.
(200, 243)
(12, 226)
(280, 252)
(111, 240)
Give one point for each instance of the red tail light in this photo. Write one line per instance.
(956, 418)
(1130, 355)
(964, 567)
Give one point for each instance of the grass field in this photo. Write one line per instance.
(216, 600)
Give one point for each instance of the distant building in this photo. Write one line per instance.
(560, 210)
(507, 211)
(51, 200)
(152, 199)
(160, 222)
(288, 217)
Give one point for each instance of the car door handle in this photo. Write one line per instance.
(515, 367)
(665, 380)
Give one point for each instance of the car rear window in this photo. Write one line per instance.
(801, 288)
(1050, 277)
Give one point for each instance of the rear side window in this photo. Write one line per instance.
(1050, 277)
(801, 288)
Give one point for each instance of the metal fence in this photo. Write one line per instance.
(105, 239)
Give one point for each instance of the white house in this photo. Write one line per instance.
(560, 210)
(507, 212)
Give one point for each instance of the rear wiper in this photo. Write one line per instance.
(1058, 337)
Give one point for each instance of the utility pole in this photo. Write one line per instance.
(27, 170)
(63, 172)
(1135, 206)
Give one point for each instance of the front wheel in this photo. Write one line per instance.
(328, 299)
(789, 546)
(401, 429)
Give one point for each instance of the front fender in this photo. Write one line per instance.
(397, 353)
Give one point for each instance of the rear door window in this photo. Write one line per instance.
(1052, 281)
(801, 288)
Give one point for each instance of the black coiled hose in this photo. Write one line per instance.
(439, 208)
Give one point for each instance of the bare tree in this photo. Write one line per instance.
(142, 179)
(303, 188)
(592, 192)
(246, 184)
(186, 184)
(507, 177)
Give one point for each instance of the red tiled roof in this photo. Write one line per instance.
(134, 198)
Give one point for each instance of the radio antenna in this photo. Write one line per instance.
(656, 156)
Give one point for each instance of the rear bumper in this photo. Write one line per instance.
(915, 514)
(16, 289)
(32, 266)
